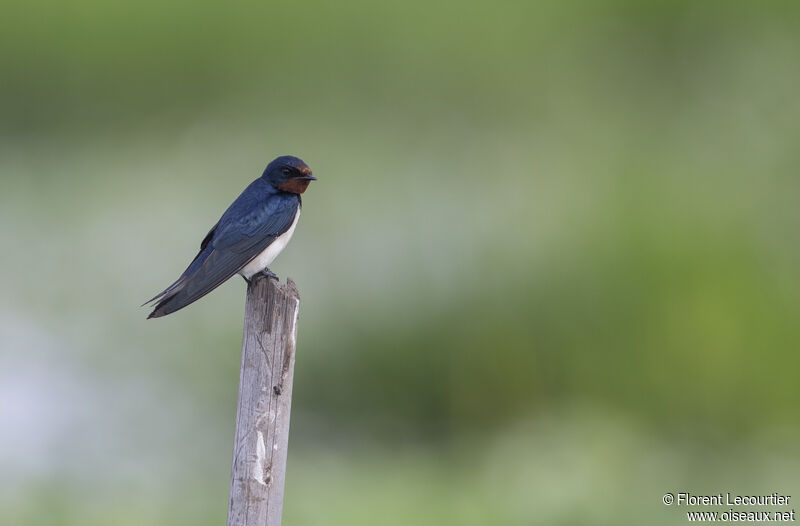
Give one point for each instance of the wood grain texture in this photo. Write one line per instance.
(265, 397)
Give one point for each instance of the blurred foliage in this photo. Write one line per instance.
(553, 250)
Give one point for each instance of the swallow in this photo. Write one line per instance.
(246, 239)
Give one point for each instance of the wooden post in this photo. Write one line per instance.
(265, 399)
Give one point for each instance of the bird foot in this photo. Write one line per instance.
(267, 273)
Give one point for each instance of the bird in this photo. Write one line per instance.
(247, 238)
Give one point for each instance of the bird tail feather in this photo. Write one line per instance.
(180, 281)
(183, 293)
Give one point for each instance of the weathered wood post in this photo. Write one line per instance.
(265, 399)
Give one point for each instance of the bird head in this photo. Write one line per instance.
(289, 174)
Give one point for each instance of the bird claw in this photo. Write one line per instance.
(267, 273)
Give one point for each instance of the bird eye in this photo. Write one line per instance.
(286, 172)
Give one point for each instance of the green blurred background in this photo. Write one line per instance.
(549, 271)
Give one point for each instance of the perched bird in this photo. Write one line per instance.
(248, 237)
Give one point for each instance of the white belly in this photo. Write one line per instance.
(262, 261)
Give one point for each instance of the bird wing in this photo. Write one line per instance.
(186, 273)
(234, 242)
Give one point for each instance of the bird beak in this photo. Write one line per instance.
(306, 177)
